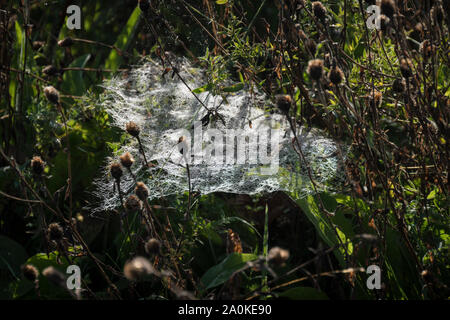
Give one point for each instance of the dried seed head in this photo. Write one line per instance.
(55, 231)
(375, 97)
(37, 165)
(30, 272)
(315, 69)
(116, 170)
(418, 31)
(133, 129)
(55, 276)
(51, 94)
(278, 256)
(336, 75)
(144, 5)
(50, 70)
(141, 191)
(137, 268)
(66, 42)
(132, 204)
(302, 35)
(399, 85)
(152, 246)
(284, 102)
(319, 10)
(38, 44)
(384, 22)
(406, 67)
(126, 160)
(388, 8)
(427, 49)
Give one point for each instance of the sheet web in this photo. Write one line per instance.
(165, 109)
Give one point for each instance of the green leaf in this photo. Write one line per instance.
(73, 80)
(303, 293)
(234, 88)
(123, 41)
(12, 255)
(204, 88)
(222, 1)
(221, 272)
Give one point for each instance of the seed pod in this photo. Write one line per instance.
(55, 231)
(406, 67)
(137, 268)
(55, 276)
(126, 159)
(427, 49)
(133, 129)
(132, 204)
(335, 75)
(284, 102)
(278, 256)
(315, 69)
(66, 42)
(375, 97)
(37, 165)
(141, 191)
(30, 272)
(152, 246)
(51, 94)
(116, 170)
(319, 10)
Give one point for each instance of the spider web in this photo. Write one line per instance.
(165, 109)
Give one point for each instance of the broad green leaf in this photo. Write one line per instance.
(12, 255)
(73, 80)
(220, 273)
(123, 41)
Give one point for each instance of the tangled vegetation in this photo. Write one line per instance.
(382, 93)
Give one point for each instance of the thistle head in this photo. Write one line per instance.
(319, 10)
(126, 160)
(335, 75)
(284, 102)
(315, 69)
(55, 231)
(116, 170)
(137, 268)
(133, 129)
(51, 94)
(141, 191)
(132, 204)
(37, 165)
